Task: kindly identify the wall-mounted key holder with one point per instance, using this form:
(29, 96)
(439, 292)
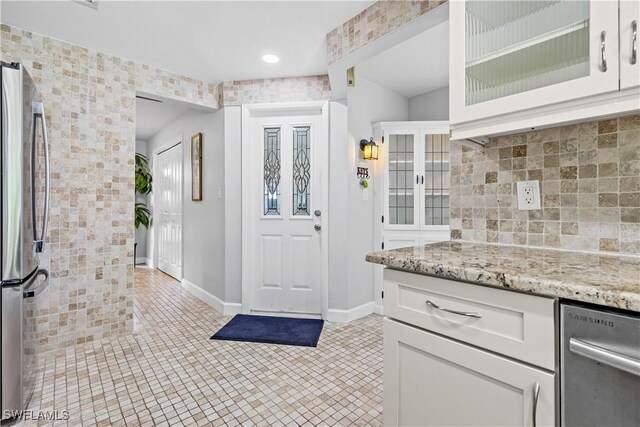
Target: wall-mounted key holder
(363, 174)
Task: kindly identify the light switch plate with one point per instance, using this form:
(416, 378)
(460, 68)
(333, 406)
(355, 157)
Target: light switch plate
(529, 195)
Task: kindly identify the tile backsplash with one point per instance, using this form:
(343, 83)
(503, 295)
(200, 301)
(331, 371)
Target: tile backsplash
(589, 177)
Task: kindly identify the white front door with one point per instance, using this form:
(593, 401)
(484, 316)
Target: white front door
(288, 158)
(168, 189)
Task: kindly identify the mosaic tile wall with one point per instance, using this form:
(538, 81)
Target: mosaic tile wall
(374, 22)
(590, 188)
(287, 89)
(90, 103)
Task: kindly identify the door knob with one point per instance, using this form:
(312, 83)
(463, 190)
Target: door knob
(317, 212)
(317, 227)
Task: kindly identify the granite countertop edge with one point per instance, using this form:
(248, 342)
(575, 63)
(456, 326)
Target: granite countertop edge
(516, 282)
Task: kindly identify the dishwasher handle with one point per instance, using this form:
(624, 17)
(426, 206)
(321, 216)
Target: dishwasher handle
(603, 355)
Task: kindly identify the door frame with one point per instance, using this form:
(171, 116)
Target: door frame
(249, 216)
(154, 247)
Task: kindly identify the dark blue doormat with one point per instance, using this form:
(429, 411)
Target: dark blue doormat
(271, 330)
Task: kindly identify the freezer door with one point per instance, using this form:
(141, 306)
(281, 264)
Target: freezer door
(30, 290)
(19, 256)
(12, 348)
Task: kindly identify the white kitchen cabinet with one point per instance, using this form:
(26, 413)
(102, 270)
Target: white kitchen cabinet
(403, 239)
(514, 324)
(430, 380)
(629, 22)
(458, 354)
(414, 201)
(518, 65)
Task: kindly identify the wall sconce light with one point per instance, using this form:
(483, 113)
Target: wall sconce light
(369, 148)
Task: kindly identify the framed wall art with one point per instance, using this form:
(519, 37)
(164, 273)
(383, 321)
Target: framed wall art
(196, 167)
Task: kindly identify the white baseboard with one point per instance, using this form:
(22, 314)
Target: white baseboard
(378, 309)
(143, 260)
(343, 316)
(226, 308)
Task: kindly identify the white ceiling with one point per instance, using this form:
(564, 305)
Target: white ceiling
(413, 67)
(208, 40)
(152, 117)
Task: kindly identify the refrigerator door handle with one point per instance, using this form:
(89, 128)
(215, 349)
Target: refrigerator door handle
(38, 113)
(30, 292)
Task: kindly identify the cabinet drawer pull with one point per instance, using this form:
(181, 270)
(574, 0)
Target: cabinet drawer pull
(634, 42)
(603, 54)
(536, 394)
(460, 313)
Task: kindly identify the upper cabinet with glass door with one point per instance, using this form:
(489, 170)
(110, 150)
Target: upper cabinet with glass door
(416, 175)
(521, 64)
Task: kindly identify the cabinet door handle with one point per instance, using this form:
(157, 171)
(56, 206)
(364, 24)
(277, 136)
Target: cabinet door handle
(536, 394)
(460, 313)
(603, 53)
(634, 42)
(423, 179)
(417, 179)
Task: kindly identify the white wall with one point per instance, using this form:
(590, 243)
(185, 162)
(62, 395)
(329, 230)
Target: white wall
(341, 162)
(141, 233)
(203, 222)
(351, 227)
(233, 203)
(430, 106)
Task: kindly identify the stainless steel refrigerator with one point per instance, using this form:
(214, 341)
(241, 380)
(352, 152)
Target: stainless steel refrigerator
(24, 212)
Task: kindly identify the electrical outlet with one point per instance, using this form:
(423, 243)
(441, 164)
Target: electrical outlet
(529, 195)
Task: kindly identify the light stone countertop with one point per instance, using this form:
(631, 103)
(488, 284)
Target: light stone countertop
(604, 279)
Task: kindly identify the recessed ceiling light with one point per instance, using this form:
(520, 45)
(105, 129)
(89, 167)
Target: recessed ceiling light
(271, 59)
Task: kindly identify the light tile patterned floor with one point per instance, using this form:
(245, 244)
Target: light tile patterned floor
(170, 373)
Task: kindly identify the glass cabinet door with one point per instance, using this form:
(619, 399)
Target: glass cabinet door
(401, 204)
(516, 55)
(436, 180)
(517, 46)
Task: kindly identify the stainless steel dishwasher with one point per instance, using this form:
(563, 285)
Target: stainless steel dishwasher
(600, 367)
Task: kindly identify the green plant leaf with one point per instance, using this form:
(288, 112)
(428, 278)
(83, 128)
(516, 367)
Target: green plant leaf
(142, 215)
(143, 178)
(144, 185)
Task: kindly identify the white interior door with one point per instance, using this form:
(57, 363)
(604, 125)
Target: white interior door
(285, 173)
(168, 188)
